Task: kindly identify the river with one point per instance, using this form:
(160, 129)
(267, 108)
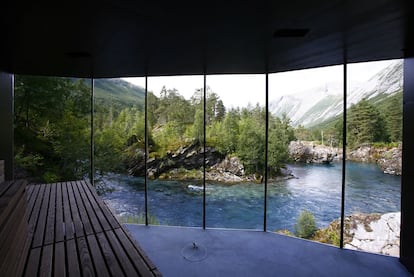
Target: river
(316, 188)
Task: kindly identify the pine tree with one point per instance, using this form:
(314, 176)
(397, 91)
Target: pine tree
(365, 124)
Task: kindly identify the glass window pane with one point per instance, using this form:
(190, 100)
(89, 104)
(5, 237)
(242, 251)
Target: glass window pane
(119, 139)
(52, 128)
(374, 145)
(176, 146)
(235, 129)
(304, 190)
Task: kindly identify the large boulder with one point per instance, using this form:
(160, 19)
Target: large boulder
(231, 165)
(375, 233)
(309, 152)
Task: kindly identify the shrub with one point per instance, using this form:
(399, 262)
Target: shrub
(305, 226)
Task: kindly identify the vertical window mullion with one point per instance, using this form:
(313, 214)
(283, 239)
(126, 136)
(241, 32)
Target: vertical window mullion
(92, 161)
(266, 153)
(204, 151)
(345, 80)
(146, 149)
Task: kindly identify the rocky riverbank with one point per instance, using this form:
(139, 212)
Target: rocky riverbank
(388, 159)
(375, 233)
(187, 162)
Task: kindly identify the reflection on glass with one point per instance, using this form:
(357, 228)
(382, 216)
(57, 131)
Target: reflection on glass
(374, 136)
(304, 189)
(235, 124)
(51, 128)
(176, 147)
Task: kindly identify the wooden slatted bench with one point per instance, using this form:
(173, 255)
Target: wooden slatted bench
(14, 243)
(73, 233)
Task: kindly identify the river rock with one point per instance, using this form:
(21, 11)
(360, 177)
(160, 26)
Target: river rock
(363, 154)
(231, 165)
(391, 161)
(309, 152)
(388, 159)
(375, 233)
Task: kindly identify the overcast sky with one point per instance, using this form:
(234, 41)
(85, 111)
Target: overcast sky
(239, 90)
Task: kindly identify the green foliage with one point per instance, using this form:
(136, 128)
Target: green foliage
(392, 111)
(305, 226)
(55, 142)
(365, 124)
(280, 135)
(52, 121)
(139, 219)
(251, 145)
(198, 127)
(374, 121)
(27, 161)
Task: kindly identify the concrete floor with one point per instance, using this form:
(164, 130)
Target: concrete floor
(253, 253)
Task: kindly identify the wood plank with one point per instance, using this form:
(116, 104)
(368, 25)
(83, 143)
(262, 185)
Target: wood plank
(75, 212)
(4, 186)
(33, 262)
(59, 260)
(50, 223)
(119, 251)
(59, 222)
(13, 248)
(98, 260)
(32, 199)
(82, 209)
(109, 255)
(29, 190)
(134, 255)
(72, 255)
(8, 228)
(36, 209)
(46, 261)
(10, 198)
(41, 222)
(24, 255)
(76, 208)
(95, 207)
(69, 231)
(85, 257)
(90, 210)
(104, 208)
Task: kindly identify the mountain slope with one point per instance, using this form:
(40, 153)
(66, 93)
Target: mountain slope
(316, 105)
(119, 93)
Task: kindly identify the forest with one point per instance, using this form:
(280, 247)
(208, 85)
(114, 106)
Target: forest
(52, 118)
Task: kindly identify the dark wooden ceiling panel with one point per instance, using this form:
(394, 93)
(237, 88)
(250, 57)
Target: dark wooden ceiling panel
(134, 38)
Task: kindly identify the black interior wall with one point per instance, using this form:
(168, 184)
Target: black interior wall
(407, 187)
(6, 123)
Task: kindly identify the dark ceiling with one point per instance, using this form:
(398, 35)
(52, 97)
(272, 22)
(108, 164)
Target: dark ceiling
(116, 38)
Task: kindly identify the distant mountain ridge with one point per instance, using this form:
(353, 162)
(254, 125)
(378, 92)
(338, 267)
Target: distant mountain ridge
(316, 105)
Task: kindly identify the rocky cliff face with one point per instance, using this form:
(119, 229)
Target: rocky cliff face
(309, 152)
(374, 233)
(188, 158)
